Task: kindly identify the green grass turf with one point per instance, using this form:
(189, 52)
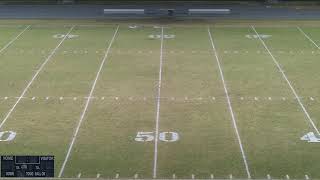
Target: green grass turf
(270, 130)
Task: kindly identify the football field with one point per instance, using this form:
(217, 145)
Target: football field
(163, 101)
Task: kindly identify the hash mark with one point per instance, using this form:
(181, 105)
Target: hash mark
(268, 176)
(307, 177)
(287, 176)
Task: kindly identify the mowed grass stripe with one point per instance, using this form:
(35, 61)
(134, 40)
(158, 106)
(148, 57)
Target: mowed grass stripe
(17, 64)
(9, 33)
(234, 121)
(12, 40)
(16, 67)
(106, 139)
(33, 78)
(302, 69)
(289, 83)
(54, 119)
(73, 69)
(312, 32)
(206, 143)
(87, 103)
(270, 130)
(308, 37)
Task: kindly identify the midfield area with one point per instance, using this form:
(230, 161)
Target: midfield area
(163, 101)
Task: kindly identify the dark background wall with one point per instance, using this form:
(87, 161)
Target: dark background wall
(3, 2)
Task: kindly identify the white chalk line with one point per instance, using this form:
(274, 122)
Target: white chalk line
(288, 82)
(87, 103)
(158, 109)
(14, 39)
(33, 78)
(308, 37)
(230, 106)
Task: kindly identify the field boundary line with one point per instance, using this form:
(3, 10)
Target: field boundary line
(288, 82)
(34, 77)
(14, 39)
(230, 106)
(308, 37)
(155, 161)
(87, 103)
(129, 178)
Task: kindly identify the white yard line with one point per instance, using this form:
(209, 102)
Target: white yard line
(14, 39)
(288, 82)
(158, 110)
(308, 37)
(87, 103)
(230, 106)
(33, 78)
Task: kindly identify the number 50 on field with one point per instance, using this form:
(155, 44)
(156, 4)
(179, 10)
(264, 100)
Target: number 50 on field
(163, 136)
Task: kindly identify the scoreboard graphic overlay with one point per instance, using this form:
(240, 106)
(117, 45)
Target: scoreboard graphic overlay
(27, 166)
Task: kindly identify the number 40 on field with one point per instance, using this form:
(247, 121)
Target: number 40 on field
(163, 136)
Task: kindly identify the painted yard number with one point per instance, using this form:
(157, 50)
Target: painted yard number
(7, 135)
(69, 36)
(163, 136)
